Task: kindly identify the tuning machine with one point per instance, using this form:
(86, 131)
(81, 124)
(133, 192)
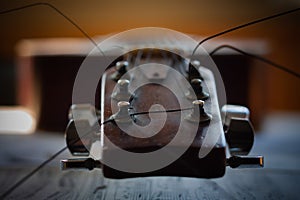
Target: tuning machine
(239, 134)
(82, 120)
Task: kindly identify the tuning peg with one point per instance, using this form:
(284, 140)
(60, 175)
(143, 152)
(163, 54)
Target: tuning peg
(80, 163)
(197, 89)
(122, 93)
(198, 113)
(245, 161)
(121, 69)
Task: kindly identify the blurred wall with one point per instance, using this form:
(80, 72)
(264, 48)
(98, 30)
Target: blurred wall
(280, 90)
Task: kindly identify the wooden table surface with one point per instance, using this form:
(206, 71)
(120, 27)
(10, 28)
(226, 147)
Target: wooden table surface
(280, 179)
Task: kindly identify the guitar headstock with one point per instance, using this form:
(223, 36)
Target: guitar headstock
(161, 81)
(159, 115)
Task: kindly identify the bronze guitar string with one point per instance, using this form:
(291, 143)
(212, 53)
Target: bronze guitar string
(25, 178)
(243, 26)
(60, 13)
(271, 63)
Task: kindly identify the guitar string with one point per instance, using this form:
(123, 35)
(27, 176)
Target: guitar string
(25, 178)
(243, 26)
(34, 171)
(161, 111)
(271, 63)
(87, 36)
(195, 49)
(60, 13)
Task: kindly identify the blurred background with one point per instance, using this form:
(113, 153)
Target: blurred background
(40, 53)
(36, 82)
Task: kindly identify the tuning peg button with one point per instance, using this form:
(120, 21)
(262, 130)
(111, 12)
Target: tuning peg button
(245, 161)
(80, 163)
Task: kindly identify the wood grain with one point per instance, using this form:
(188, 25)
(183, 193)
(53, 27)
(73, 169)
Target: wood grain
(280, 179)
(51, 183)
